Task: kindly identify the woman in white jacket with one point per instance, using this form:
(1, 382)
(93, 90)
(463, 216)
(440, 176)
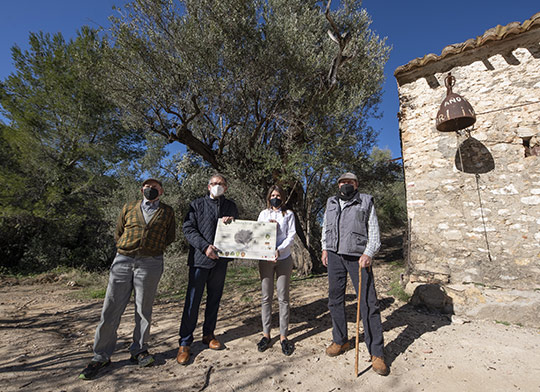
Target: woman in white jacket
(280, 266)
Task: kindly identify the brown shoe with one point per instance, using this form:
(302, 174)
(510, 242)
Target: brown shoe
(183, 355)
(378, 365)
(212, 342)
(335, 349)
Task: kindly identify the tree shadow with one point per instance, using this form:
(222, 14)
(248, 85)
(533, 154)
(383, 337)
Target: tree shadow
(312, 318)
(417, 319)
(317, 319)
(85, 314)
(306, 320)
(65, 328)
(196, 348)
(250, 325)
(391, 246)
(61, 326)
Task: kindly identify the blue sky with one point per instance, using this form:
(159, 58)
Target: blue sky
(414, 29)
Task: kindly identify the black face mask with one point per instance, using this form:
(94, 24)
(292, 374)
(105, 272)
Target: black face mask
(150, 193)
(346, 192)
(275, 202)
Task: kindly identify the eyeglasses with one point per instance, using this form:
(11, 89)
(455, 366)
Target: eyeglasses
(217, 183)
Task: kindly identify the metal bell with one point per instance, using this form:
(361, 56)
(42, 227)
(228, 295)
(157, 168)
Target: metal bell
(455, 112)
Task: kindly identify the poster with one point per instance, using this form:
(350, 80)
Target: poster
(243, 239)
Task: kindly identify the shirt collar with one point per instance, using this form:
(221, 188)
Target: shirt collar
(150, 205)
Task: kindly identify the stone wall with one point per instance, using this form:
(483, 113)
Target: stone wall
(474, 213)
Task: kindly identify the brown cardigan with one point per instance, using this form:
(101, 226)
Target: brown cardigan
(134, 237)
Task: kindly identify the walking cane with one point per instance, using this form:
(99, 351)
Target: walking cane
(357, 321)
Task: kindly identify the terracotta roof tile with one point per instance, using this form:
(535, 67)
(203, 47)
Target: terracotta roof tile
(494, 34)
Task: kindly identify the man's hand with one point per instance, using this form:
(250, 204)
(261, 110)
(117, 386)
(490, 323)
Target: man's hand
(227, 219)
(324, 258)
(211, 252)
(364, 261)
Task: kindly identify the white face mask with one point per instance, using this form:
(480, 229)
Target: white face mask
(217, 190)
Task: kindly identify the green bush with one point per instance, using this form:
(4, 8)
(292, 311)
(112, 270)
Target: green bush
(175, 275)
(31, 244)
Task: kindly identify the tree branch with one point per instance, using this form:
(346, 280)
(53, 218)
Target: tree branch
(183, 135)
(342, 41)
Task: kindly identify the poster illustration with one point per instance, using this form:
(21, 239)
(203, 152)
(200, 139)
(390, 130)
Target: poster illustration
(243, 239)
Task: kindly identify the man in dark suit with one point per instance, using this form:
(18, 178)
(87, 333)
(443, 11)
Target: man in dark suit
(206, 268)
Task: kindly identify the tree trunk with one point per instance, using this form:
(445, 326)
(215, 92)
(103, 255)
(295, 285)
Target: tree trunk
(301, 258)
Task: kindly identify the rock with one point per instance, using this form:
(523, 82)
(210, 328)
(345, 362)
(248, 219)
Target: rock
(433, 297)
(458, 320)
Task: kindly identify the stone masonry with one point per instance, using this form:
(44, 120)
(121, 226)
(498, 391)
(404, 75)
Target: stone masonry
(474, 212)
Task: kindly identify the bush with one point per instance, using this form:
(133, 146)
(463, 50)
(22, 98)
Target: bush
(175, 275)
(30, 244)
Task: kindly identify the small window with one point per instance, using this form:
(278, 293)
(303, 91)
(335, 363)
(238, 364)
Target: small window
(531, 145)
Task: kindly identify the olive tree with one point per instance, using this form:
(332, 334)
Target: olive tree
(267, 91)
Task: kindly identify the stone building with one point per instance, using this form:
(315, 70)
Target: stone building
(473, 196)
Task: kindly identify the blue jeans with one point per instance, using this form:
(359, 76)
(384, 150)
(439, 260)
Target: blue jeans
(141, 275)
(338, 267)
(214, 280)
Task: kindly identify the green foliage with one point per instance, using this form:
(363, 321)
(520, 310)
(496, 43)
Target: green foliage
(98, 293)
(34, 244)
(397, 291)
(396, 288)
(244, 85)
(174, 280)
(383, 178)
(247, 86)
(243, 274)
(191, 182)
(60, 147)
(243, 278)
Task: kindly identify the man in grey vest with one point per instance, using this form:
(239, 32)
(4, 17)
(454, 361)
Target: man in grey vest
(350, 239)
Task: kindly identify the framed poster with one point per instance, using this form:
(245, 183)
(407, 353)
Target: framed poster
(243, 239)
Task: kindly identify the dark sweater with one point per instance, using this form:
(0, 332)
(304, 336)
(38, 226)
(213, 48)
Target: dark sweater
(200, 227)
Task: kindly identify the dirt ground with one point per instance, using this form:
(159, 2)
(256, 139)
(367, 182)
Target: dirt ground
(46, 338)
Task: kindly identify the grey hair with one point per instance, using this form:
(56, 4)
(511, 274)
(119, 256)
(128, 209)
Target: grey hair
(218, 175)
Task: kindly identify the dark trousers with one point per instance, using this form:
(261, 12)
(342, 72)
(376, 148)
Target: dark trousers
(338, 267)
(214, 280)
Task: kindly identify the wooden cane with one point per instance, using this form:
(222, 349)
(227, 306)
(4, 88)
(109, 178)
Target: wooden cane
(357, 321)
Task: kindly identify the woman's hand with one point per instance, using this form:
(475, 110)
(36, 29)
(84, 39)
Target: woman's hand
(276, 255)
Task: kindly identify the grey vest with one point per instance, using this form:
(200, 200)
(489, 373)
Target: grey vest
(347, 230)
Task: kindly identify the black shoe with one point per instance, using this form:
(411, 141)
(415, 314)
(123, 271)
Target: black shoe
(263, 344)
(287, 347)
(92, 369)
(143, 359)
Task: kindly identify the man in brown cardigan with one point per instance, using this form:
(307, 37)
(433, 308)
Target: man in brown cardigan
(143, 230)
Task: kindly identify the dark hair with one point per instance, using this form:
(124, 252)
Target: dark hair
(282, 194)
